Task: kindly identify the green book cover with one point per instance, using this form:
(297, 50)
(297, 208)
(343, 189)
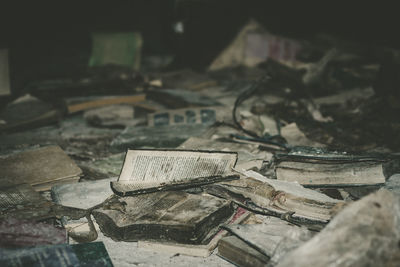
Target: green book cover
(122, 48)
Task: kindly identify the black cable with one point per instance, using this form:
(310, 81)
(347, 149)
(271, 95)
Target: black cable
(241, 98)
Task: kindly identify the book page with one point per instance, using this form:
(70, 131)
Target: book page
(163, 166)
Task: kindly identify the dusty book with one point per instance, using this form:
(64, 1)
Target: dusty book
(88, 254)
(147, 171)
(317, 167)
(278, 198)
(202, 250)
(173, 216)
(23, 202)
(42, 168)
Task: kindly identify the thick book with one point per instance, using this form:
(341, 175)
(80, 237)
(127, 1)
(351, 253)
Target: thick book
(88, 254)
(146, 171)
(321, 168)
(274, 197)
(42, 168)
(173, 216)
(202, 250)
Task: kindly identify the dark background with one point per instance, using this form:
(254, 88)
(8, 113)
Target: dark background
(51, 39)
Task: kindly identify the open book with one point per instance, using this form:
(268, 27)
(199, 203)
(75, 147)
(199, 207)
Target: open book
(146, 171)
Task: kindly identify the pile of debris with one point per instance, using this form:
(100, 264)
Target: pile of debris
(283, 153)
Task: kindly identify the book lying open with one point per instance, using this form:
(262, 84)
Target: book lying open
(318, 167)
(146, 171)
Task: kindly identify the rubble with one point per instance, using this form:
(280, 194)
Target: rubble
(369, 238)
(284, 152)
